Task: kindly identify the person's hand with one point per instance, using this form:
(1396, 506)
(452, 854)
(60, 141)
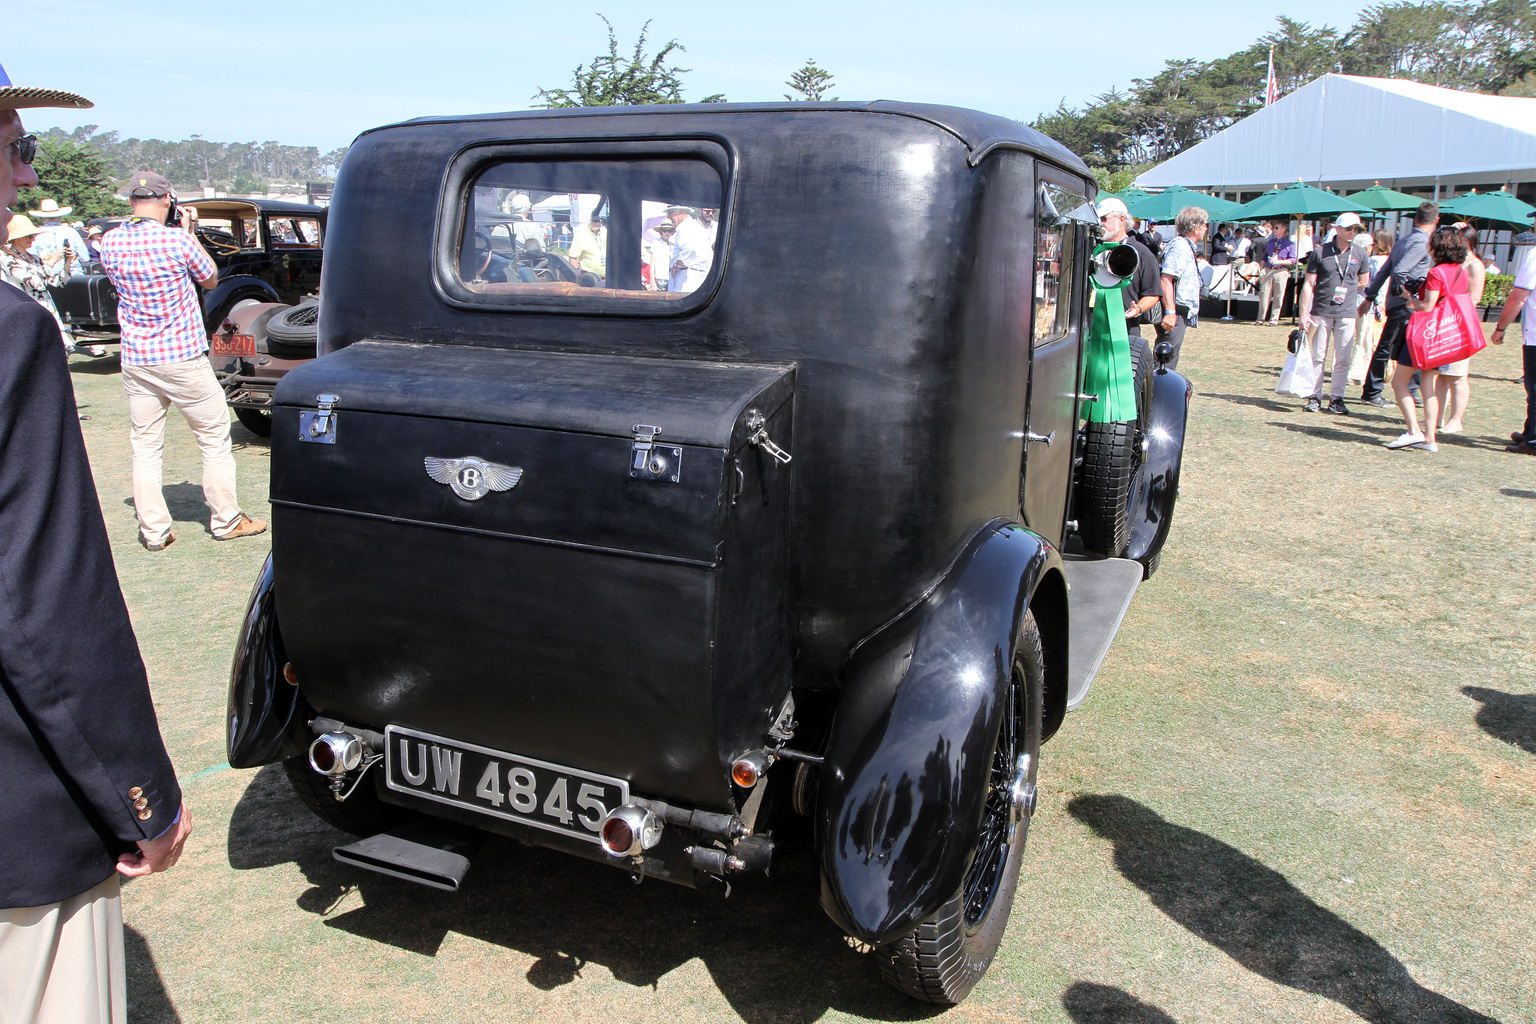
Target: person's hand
(1306, 322)
(159, 853)
(1133, 312)
(1169, 320)
(1365, 304)
(1497, 337)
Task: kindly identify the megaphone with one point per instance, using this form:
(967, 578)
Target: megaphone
(1115, 264)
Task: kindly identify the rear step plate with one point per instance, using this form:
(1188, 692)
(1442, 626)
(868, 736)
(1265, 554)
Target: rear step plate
(431, 853)
(552, 797)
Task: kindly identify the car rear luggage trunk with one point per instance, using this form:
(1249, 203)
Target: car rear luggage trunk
(628, 625)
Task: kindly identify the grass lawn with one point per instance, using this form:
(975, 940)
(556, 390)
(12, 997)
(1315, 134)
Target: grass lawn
(1304, 787)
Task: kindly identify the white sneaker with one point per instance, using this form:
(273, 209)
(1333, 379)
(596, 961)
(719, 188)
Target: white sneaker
(1427, 446)
(1406, 441)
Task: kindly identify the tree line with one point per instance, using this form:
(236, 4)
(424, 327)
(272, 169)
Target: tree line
(1487, 46)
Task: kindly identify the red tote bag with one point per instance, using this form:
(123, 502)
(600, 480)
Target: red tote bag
(1448, 333)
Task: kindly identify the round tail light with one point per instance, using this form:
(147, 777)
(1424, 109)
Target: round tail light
(628, 830)
(749, 768)
(336, 753)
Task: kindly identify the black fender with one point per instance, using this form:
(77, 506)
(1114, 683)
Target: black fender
(231, 290)
(268, 717)
(1157, 485)
(904, 777)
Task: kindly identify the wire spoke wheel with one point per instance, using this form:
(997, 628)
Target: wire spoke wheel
(949, 952)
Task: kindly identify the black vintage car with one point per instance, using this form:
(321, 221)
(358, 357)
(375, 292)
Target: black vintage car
(650, 574)
(266, 251)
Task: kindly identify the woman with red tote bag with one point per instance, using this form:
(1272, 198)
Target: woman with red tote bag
(1446, 278)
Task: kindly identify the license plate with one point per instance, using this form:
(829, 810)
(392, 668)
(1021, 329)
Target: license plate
(536, 793)
(233, 345)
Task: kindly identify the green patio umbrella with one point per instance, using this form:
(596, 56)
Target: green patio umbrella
(1499, 206)
(1126, 195)
(1385, 200)
(1298, 200)
(1165, 205)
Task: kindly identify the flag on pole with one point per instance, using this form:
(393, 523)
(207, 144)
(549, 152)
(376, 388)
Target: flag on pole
(1271, 87)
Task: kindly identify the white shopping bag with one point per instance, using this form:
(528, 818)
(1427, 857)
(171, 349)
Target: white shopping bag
(1299, 377)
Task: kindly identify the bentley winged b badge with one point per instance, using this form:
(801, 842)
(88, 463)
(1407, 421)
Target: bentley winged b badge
(472, 478)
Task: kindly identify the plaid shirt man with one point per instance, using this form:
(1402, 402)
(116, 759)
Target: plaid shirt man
(158, 312)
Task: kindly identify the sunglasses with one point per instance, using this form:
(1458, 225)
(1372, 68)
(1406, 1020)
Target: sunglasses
(26, 148)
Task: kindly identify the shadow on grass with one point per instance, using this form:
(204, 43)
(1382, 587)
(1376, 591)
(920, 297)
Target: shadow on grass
(1327, 433)
(1088, 1003)
(97, 366)
(773, 954)
(1516, 493)
(1251, 913)
(1510, 717)
(185, 500)
(148, 1002)
(1262, 401)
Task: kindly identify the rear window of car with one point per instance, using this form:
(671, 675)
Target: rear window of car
(588, 231)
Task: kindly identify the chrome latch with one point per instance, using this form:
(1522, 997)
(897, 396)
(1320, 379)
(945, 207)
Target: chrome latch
(1048, 439)
(318, 426)
(651, 461)
(759, 436)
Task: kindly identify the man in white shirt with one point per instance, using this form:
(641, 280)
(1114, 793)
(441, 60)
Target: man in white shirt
(1523, 294)
(692, 253)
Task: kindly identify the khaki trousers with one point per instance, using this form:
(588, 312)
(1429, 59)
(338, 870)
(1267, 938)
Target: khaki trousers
(1272, 286)
(193, 389)
(63, 963)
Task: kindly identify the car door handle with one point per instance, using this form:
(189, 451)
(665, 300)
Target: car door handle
(1047, 438)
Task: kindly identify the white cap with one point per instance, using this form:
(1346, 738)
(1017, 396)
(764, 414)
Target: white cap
(1348, 220)
(1109, 206)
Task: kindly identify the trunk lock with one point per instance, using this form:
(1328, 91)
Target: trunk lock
(759, 436)
(318, 426)
(651, 461)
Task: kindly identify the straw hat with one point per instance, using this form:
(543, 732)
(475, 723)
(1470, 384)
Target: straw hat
(15, 97)
(51, 208)
(21, 226)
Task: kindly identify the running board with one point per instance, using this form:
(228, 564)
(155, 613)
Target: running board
(427, 852)
(1099, 595)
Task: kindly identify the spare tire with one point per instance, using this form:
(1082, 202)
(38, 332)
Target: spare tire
(1111, 456)
(292, 333)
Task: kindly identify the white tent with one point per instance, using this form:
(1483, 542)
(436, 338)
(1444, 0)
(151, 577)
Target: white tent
(1347, 132)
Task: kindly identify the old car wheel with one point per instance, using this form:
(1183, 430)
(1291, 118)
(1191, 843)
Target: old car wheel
(1111, 459)
(292, 333)
(949, 952)
(362, 813)
(257, 421)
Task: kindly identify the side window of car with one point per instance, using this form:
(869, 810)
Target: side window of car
(1056, 255)
(307, 230)
(582, 230)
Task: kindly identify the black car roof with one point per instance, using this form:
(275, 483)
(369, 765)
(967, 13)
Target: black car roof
(264, 205)
(980, 132)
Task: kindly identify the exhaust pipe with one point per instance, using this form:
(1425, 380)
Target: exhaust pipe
(430, 853)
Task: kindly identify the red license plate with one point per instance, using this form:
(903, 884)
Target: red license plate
(233, 345)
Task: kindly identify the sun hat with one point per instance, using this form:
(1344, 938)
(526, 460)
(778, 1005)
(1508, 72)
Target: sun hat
(51, 208)
(21, 226)
(679, 209)
(15, 97)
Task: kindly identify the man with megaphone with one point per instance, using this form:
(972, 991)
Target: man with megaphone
(1144, 292)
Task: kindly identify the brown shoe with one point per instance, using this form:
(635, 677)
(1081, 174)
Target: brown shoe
(244, 527)
(1517, 438)
(170, 538)
(1521, 449)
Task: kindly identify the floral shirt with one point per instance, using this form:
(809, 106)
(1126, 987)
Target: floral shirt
(29, 274)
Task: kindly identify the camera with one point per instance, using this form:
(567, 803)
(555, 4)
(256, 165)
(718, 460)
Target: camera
(1413, 285)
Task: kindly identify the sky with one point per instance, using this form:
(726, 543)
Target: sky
(317, 73)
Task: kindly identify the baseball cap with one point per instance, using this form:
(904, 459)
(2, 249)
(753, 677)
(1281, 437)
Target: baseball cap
(1348, 220)
(147, 185)
(1111, 206)
(16, 97)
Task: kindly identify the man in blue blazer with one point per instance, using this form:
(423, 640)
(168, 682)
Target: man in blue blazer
(90, 792)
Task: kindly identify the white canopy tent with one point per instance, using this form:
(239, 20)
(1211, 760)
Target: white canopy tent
(1347, 132)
